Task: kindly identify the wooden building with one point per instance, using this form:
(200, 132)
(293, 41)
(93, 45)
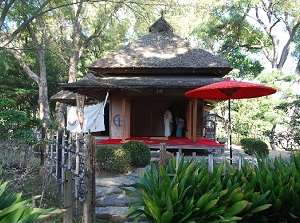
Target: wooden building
(146, 77)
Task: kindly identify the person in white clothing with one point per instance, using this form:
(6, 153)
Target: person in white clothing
(168, 119)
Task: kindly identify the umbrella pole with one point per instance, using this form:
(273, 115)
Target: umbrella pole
(229, 128)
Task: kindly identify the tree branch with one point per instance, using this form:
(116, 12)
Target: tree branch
(4, 12)
(23, 64)
(97, 32)
(286, 48)
(24, 24)
(297, 70)
(39, 11)
(239, 25)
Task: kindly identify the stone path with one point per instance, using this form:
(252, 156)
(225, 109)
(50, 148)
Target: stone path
(111, 200)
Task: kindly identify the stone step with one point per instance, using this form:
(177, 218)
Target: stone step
(117, 200)
(111, 200)
(111, 213)
(103, 191)
(115, 181)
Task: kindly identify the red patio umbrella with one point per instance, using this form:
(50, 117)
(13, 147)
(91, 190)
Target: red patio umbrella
(227, 90)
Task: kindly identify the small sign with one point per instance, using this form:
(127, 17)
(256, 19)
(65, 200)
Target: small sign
(210, 130)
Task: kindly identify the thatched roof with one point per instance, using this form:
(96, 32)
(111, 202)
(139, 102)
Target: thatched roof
(64, 96)
(159, 52)
(138, 82)
(69, 98)
(157, 60)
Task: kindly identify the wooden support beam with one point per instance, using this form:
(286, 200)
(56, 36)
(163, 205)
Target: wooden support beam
(93, 179)
(87, 207)
(200, 115)
(194, 134)
(123, 119)
(188, 112)
(128, 130)
(68, 199)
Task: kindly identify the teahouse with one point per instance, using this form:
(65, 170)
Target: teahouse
(148, 76)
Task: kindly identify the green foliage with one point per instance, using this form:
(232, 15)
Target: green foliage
(281, 178)
(17, 154)
(14, 209)
(251, 118)
(16, 124)
(268, 192)
(139, 152)
(189, 193)
(288, 137)
(114, 159)
(15, 84)
(21, 168)
(244, 67)
(254, 146)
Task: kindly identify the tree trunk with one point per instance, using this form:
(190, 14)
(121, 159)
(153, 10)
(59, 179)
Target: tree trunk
(44, 112)
(297, 70)
(271, 137)
(59, 115)
(74, 60)
(43, 97)
(284, 54)
(41, 79)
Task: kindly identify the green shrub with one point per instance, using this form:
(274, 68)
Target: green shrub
(114, 159)
(254, 146)
(15, 124)
(189, 193)
(140, 153)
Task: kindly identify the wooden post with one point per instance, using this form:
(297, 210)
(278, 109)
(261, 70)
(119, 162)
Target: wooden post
(86, 216)
(210, 163)
(163, 154)
(56, 158)
(194, 120)
(189, 120)
(267, 161)
(252, 161)
(240, 162)
(69, 152)
(128, 118)
(93, 179)
(63, 162)
(68, 201)
(77, 167)
(194, 156)
(178, 157)
(60, 135)
(200, 117)
(51, 155)
(123, 119)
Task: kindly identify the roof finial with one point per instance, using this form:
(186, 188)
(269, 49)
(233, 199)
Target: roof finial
(162, 13)
(161, 25)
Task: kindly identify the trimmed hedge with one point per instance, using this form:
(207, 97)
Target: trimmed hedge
(254, 146)
(139, 152)
(114, 159)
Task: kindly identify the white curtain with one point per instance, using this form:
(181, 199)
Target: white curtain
(93, 118)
